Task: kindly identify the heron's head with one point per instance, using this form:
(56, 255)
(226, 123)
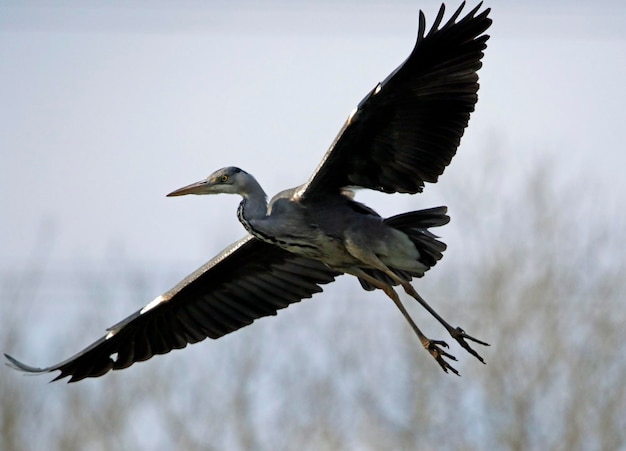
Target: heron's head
(230, 180)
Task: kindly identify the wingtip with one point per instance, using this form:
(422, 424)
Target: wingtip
(12, 362)
(15, 364)
(421, 29)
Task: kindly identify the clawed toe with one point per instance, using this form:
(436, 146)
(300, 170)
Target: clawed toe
(434, 347)
(460, 336)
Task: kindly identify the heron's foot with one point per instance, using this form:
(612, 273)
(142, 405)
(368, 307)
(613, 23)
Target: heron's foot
(435, 349)
(460, 336)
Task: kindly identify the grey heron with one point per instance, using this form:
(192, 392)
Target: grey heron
(402, 134)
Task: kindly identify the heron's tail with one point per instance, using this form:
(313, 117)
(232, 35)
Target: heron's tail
(415, 225)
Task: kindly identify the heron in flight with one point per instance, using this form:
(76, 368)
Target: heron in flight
(402, 134)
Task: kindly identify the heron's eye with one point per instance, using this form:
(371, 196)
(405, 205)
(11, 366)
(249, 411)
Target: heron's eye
(224, 178)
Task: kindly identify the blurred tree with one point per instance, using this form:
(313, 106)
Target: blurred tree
(541, 279)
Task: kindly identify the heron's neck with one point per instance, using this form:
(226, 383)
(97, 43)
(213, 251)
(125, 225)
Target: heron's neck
(254, 203)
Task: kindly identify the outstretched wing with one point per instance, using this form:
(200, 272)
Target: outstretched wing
(248, 280)
(407, 129)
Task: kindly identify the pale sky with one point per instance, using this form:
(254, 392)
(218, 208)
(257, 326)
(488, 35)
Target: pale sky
(105, 109)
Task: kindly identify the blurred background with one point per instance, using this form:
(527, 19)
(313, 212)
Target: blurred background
(107, 107)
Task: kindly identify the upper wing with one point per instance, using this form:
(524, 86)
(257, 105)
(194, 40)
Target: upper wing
(248, 280)
(407, 129)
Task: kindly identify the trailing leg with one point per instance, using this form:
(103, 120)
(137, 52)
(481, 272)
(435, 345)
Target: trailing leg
(456, 332)
(434, 347)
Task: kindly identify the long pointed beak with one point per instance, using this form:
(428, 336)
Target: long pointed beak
(194, 188)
